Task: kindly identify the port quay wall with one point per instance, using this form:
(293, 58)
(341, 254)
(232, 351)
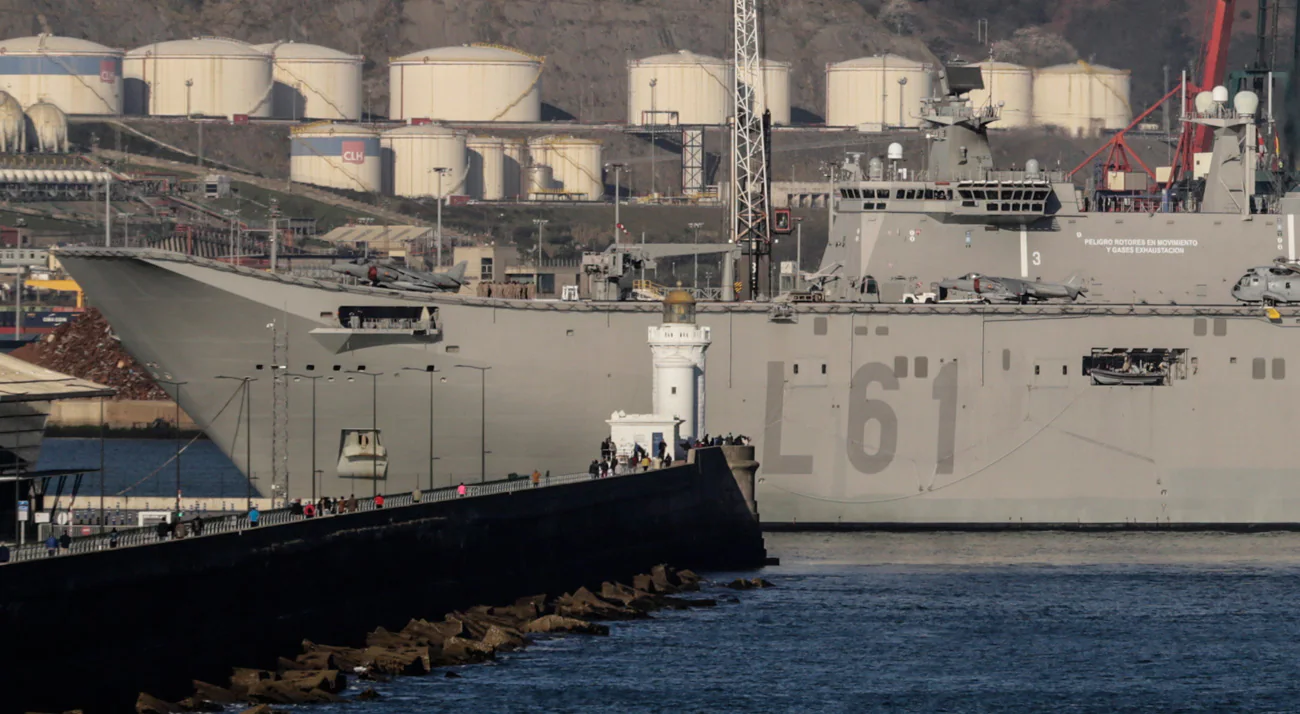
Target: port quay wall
(91, 631)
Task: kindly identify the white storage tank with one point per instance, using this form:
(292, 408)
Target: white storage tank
(575, 164)
(776, 90)
(466, 83)
(412, 152)
(696, 87)
(47, 128)
(1081, 98)
(514, 164)
(868, 90)
(314, 82)
(343, 156)
(77, 76)
(205, 76)
(1010, 84)
(487, 163)
(540, 183)
(13, 125)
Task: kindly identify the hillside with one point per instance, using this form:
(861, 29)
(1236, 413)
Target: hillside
(587, 42)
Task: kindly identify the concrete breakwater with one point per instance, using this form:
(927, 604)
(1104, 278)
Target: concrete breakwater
(156, 617)
(320, 673)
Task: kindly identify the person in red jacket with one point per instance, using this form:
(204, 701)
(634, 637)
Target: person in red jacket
(379, 501)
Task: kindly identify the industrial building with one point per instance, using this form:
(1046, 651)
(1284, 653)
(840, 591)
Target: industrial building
(877, 92)
(1010, 87)
(565, 168)
(204, 76)
(314, 82)
(467, 83)
(1083, 99)
(344, 156)
(413, 155)
(77, 76)
(679, 88)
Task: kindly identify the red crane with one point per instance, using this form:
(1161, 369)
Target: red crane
(1194, 138)
(1216, 61)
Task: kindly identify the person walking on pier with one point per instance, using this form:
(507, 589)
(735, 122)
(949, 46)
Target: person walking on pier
(460, 490)
(65, 542)
(4, 554)
(163, 530)
(253, 515)
(594, 469)
(197, 525)
(352, 503)
(112, 538)
(537, 478)
(52, 545)
(379, 500)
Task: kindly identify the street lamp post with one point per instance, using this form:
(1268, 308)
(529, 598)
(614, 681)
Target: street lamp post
(313, 379)
(374, 428)
(482, 371)
(248, 434)
(695, 281)
(798, 253)
(654, 135)
(902, 82)
(441, 171)
(431, 369)
(108, 205)
(537, 267)
(177, 398)
(618, 175)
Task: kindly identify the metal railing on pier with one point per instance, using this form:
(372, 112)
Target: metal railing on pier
(217, 525)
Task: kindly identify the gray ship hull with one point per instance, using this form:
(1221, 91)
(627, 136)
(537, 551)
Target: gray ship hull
(863, 414)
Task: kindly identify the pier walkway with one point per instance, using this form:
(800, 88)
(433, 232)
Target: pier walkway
(217, 525)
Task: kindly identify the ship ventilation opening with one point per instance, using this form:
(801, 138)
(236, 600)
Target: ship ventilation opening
(1136, 366)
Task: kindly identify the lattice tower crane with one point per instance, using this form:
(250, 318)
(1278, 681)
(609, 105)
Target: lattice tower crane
(750, 187)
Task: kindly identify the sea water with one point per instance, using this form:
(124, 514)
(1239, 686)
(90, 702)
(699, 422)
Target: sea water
(946, 622)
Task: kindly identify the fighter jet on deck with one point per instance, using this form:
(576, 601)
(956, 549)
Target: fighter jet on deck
(1013, 289)
(384, 275)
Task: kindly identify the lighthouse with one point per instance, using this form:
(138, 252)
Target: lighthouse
(677, 348)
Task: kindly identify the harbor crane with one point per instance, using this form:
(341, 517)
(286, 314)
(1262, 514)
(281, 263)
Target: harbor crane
(750, 154)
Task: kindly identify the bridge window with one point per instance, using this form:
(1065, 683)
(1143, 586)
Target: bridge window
(1257, 368)
(900, 367)
(898, 194)
(1006, 360)
(922, 367)
(1279, 368)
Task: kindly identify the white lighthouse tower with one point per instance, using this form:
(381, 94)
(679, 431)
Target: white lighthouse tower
(677, 349)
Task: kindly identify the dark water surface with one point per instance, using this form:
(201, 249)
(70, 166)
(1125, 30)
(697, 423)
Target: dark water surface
(935, 623)
(140, 466)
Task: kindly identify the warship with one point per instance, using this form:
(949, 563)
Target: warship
(1155, 399)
